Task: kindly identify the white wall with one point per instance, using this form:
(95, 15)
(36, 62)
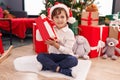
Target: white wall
(33, 7)
(103, 7)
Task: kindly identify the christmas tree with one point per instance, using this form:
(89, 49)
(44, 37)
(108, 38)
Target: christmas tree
(77, 6)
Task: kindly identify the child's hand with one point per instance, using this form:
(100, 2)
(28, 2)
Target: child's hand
(52, 42)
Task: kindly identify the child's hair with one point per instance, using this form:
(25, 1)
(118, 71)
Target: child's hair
(58, 11)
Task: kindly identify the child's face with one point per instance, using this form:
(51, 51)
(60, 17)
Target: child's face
(60, 20)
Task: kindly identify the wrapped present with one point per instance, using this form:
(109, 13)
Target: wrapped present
(74, 27)
(1, 12)
(113, 32)
(1, 45)
(38, 43)
(45, 28)
(90, 18)
(96, 37)
(114, 29)
(118, 43)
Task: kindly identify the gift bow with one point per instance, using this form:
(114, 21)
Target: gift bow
(100, 44)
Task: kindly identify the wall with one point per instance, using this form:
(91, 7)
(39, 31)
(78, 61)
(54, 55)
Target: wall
(16, 5)
(117, 6)
(4, 2)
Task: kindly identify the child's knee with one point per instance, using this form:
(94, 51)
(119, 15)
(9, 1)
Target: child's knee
(73, 60)
(40, 57)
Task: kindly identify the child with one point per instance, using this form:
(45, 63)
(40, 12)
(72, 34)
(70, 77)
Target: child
(60, 57)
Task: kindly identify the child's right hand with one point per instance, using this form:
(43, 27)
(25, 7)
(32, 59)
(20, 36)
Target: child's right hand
(52, 42)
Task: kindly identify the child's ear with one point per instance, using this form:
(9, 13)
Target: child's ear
(67, 18)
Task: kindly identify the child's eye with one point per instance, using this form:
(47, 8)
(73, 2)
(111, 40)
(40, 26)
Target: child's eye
(62, 17)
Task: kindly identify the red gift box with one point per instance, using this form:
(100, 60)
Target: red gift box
(1, 12)
(45, 27)
(1, 45)
(38, 43)
(118, 44)
(114, 32)
(96, 37)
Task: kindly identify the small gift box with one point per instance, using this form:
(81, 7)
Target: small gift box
(114, 29)
(90, 18)
(113, 32)
(96, 36)
(45, 28)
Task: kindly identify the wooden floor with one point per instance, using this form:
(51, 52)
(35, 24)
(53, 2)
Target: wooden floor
(100, 70)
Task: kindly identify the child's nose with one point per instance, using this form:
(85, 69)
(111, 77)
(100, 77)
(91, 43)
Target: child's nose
(60, 19)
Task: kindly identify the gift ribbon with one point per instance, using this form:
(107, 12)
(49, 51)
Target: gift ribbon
(38, 35)
(89, 19)
(101, 44)
(48, 27)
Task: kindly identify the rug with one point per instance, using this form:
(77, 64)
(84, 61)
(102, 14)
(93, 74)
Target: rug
(30, 64)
